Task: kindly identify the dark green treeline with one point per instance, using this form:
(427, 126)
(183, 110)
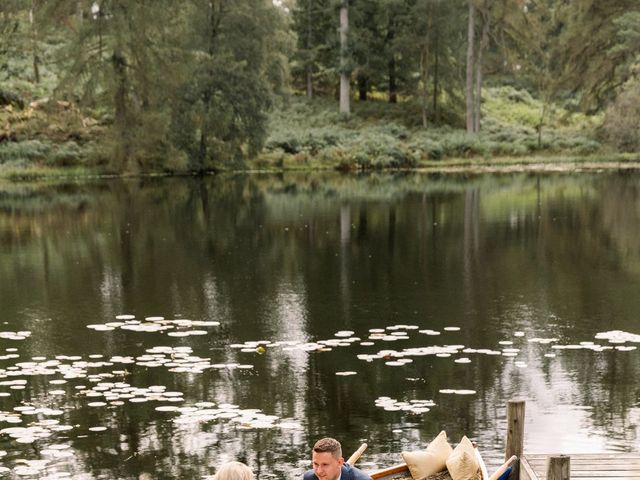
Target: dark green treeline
(187, 85)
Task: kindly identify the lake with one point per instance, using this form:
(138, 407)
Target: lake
(156, 327)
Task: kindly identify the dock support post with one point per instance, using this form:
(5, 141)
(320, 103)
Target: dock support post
(515, 428)
(515, 434)
(559, 467)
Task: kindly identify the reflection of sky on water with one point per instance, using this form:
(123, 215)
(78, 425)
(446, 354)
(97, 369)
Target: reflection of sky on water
(291, 325)
(563, 429)
(556, 419)
(554, 423)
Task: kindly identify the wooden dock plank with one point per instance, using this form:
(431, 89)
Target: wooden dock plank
(600, 466)
(596, 463)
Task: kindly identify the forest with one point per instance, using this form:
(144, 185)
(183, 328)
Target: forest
(143, 86)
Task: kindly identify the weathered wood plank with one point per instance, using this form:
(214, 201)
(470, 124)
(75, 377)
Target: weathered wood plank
(592, 461)
(558, 468)
(617, 456)
(515, 428)
(604, 462)
(598, 477)
(604, 466)
(590, 473)
(526, 472)
(600, 466)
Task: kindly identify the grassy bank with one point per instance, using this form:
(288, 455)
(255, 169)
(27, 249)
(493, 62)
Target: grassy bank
(53, 139)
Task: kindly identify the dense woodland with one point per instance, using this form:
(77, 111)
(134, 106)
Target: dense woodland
(201, 84)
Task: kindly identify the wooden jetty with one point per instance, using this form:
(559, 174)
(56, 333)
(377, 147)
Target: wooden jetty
(596, 466)
(553, 466)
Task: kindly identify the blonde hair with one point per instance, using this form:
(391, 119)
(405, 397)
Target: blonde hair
(234, 471)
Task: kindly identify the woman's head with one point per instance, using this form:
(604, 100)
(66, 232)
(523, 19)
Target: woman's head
(234, 471)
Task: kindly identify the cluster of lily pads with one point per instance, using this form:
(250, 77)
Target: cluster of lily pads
(180, 327)
(242, 419)
(618, 336)
(22, 335)
(181, 360)
(30, 422)
(412, 406)
(399, 358)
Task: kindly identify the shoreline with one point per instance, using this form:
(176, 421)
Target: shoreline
(555, 164)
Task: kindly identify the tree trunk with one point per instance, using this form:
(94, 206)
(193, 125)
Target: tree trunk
(100, 43)
(362, 86)
(424, 76)
(391, 64)
(309, 82)
(469, 97)
(120, 99)
(34, 42)
(345, 73)
(121, 123)
(393, 88)
(436, 75)
(540, 125)
(216, 11)
(309, 68)
(484, 40)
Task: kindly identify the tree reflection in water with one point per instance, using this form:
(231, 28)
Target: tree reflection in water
(299, 258)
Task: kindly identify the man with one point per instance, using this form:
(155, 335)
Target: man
(328, 463)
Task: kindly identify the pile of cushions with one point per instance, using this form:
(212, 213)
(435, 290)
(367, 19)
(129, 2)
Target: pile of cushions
(461, 462)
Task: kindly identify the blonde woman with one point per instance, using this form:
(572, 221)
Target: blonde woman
(234, 471)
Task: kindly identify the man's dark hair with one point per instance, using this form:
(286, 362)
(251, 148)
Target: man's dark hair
(330, 445)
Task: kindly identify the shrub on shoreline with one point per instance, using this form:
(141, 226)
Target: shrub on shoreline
(307, 133)
(31, 152)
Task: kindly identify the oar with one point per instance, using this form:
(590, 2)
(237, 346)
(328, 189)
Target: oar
(503, 467)
(356, 455)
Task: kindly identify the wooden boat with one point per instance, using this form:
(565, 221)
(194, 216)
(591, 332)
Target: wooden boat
(401, 470)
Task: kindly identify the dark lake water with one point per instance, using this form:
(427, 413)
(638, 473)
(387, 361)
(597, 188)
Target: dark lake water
(155, 328)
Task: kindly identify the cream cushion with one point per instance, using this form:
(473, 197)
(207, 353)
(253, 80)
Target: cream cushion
(463, 463)
(423, 463)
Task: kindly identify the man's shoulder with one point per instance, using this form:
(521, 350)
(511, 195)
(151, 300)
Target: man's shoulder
(353, 473)
(309, 475)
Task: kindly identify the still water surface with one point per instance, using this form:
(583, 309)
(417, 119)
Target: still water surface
(494, 287)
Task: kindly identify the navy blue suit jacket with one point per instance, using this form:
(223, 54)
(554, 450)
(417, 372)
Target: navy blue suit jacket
(348, 473)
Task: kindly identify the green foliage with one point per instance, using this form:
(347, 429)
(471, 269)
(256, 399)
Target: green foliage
(173, 82)
(314, 23)
(218, 114)
(25, 50)
(622, 119)
(377, 150)
(35, 151)
(509, 105)
(597, 47)
(174, 87)
(426, 148)
(310, 133)
(628, 34)
(311, 142)
(28, 150)
(65, 155)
